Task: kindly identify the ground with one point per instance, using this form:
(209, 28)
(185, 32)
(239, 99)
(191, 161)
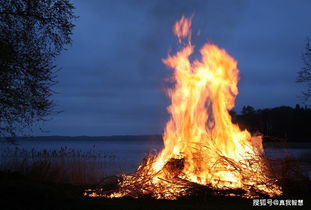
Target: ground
(21, 192)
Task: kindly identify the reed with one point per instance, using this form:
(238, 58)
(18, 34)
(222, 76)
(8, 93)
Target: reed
(65, 165)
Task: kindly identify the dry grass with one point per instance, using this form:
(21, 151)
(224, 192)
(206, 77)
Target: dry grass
(60, 166)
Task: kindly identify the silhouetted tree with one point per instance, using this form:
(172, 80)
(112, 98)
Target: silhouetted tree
(304, 75)
(32, 34)
(248, 110)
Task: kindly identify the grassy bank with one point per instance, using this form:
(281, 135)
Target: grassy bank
(65, 165)
(21, 192)
(56, 179)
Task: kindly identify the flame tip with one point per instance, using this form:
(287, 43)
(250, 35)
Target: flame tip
(201, 144)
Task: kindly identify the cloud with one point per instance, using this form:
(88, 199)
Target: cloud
(112, 77)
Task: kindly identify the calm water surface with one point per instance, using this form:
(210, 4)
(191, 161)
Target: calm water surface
(126, 155)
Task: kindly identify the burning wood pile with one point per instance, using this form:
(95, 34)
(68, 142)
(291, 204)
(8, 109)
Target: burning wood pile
(203, 150)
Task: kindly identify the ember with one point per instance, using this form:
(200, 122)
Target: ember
(203, 149)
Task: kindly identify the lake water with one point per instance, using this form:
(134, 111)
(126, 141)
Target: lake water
(121, 156)
(125, 156)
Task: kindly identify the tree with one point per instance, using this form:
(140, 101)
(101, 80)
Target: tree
(304, 75)
(32, 34)
(248, 110)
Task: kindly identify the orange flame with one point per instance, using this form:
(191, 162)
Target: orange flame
(182, 29)
(201, 144)
(200, 129)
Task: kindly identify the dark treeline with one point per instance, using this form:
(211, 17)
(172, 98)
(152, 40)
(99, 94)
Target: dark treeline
(284, 122)
(292, 124)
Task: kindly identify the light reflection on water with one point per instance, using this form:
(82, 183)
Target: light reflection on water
(125, 156)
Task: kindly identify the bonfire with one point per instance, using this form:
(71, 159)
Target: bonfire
(204, 151)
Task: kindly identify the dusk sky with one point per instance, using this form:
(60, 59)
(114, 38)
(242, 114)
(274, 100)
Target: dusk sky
(112, 77)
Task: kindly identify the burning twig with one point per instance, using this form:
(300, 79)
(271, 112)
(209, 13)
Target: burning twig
(204, 151)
